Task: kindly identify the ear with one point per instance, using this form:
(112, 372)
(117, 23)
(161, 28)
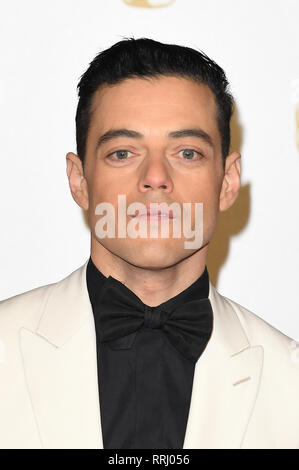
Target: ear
(231, 181)
(77, 180)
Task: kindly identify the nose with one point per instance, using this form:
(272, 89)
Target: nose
(155, 176)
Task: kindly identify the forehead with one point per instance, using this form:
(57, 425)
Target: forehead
(155, 104)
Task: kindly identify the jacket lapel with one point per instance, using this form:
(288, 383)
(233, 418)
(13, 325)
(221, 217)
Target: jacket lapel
(226, 382)
(60, 364)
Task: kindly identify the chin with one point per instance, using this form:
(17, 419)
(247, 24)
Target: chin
(154, 254)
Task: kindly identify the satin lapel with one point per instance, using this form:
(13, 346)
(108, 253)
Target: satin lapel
(226, 383)
(61, 368)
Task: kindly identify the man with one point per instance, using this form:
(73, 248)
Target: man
(136, 348)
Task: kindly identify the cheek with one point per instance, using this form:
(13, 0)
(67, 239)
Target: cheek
(101, 188)
(208, 195)
(211, 205)
(107, 183)
(206, 190)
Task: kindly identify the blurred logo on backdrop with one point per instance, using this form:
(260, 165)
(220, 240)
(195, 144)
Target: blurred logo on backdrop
(149, 3)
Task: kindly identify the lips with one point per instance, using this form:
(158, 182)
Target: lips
(155, 213)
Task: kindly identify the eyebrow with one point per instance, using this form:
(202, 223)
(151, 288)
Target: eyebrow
(115, 133)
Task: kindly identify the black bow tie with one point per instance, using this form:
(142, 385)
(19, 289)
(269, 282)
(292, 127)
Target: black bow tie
(188, 325)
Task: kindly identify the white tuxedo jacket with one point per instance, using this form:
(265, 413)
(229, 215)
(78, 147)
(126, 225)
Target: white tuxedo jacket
(245, 391)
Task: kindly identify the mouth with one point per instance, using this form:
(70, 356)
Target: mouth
(151, 214)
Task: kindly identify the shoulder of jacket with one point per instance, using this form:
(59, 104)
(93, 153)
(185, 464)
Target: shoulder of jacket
(22, 309)
(283, 350)
(26, 308)
(254, 325)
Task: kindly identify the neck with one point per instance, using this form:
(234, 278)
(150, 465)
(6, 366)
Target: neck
(152, 286)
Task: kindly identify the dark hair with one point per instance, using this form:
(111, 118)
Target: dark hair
(137, 58)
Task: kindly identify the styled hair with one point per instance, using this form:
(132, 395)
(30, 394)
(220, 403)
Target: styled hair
(137, 58)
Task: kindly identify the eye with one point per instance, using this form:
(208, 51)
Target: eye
(189, 154)
(120, 154)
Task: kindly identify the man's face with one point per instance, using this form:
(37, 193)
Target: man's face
(158, 164)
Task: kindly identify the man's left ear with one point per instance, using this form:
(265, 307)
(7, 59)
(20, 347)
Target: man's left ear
(231, 181)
